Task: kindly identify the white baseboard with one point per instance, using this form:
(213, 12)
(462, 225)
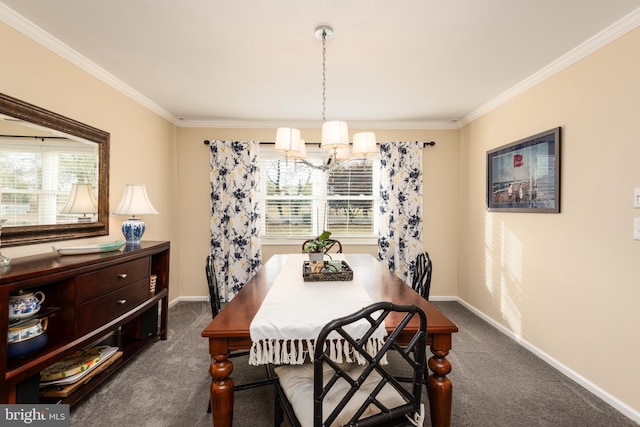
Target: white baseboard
(443, 298)
(188, 299)
(605, 396)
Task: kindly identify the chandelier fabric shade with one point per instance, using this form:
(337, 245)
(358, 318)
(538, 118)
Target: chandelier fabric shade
(335, 133)
(288, 140)
(364, 144)
(341, 153)
(301, 154)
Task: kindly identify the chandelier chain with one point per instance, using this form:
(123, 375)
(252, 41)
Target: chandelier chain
(324, 73)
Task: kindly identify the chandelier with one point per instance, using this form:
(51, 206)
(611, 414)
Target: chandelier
(335, 133)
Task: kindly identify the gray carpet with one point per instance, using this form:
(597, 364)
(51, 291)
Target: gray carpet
(496, 384)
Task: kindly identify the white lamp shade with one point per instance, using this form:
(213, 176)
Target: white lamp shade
(334, 134)
(135, 201)
(81, 200)
(364, 144)
(301, 153)
(288, 139)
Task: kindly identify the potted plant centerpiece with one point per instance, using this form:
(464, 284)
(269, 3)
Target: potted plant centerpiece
(315, 248)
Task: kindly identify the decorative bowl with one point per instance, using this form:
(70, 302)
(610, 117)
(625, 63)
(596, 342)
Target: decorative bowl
(31, 345)
(27, 330)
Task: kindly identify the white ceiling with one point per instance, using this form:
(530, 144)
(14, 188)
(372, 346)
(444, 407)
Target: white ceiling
(408, 63)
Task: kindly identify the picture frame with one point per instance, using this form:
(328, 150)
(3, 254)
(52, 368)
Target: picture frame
(524, 176)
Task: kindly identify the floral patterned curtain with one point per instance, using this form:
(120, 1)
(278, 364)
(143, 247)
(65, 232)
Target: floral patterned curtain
(235, 219)
(400, 234)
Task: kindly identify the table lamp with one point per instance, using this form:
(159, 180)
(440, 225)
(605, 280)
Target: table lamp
(81, 201)
(134, 202)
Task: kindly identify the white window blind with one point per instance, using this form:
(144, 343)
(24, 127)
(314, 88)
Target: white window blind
(299, 201)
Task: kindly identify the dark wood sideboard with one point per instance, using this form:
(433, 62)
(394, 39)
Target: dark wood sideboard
(91, 299)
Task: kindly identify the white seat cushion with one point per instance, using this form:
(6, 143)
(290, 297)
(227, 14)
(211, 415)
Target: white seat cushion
(297, 383)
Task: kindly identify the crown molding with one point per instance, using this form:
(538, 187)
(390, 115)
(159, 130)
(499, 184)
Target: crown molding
(627, 23)
(240, 124)
(28, 28)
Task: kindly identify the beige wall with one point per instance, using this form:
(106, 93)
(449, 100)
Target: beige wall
(440, 198)
(566, 283)
(142, 143)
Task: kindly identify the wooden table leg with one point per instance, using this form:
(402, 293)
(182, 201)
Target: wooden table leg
(221, 391)
(439, 387)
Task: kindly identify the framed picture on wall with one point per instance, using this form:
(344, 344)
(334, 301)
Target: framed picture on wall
(524, 176)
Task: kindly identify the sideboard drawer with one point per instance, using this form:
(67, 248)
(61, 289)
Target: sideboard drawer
(93, 285)
(99, 311)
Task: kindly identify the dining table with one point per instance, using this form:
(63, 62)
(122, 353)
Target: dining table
(231, 329)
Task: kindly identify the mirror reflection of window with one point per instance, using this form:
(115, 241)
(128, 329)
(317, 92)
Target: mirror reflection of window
(37, 174)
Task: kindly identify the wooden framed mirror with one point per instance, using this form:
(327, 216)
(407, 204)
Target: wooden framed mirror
(32, 198)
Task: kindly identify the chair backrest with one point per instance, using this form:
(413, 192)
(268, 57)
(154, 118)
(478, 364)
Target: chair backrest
(413, 356)
(335, 247)
(214, 294)
(421, 282)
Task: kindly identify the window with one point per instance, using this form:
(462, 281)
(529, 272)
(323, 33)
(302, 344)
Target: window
(300, 201)
(36, 178)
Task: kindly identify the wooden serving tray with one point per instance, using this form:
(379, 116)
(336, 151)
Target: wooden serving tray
(327, 274)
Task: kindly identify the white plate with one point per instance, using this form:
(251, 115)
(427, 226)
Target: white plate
(90, 249)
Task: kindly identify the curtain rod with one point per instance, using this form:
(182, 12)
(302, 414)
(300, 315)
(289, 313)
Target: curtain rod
(424, 144)
(33, 137)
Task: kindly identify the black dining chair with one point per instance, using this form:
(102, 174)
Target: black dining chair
(335, 247)
(421, 282)
(326, 393)
(216, 306)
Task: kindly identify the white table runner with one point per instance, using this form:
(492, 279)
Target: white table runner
(294, 311)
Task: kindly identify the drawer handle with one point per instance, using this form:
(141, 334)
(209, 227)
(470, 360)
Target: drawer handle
(122, 276)
(121, 301)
